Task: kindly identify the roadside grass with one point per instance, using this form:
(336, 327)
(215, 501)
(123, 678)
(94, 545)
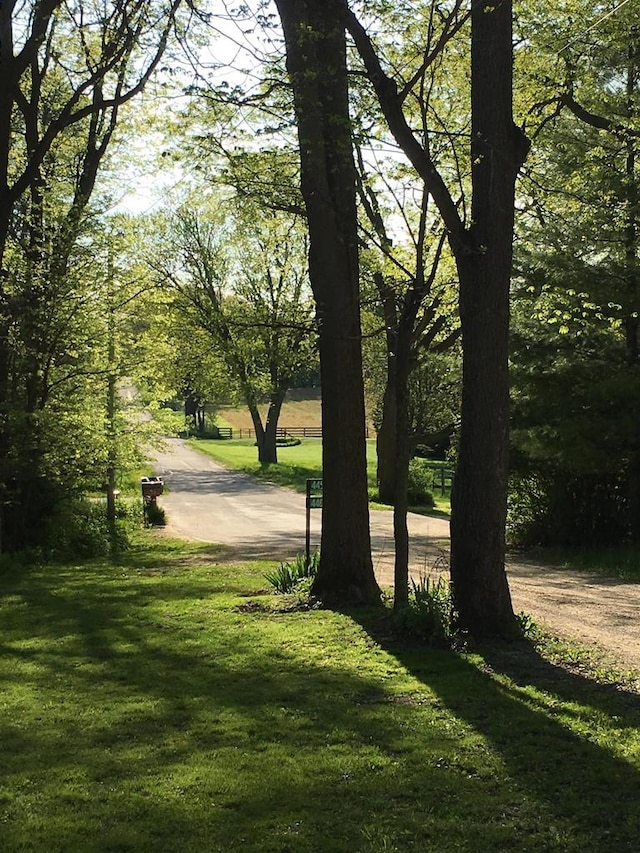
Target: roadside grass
(295, 465)
(622, 562)
(170, 703)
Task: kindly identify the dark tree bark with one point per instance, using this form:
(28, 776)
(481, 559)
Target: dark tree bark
(386, 438)
(402, 369)
(479, 499)
(316, 61)
(267, 433)
(483, 257)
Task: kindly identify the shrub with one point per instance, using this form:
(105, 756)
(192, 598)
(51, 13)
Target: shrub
(292, 574)
(155, 515)
(526, 625)
(80, 529)
(420, 481)
(430, 614)
(288, 441)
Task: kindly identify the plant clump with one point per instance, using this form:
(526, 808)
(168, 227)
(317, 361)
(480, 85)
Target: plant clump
(292, 576)
(430, 614)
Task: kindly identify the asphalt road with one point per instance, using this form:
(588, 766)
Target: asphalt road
(209, 503)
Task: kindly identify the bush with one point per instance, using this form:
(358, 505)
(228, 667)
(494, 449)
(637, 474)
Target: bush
(154, 515)
(288, 441)
(289, 576)
(550, 507)
(430, 614)
(80, 529)
(420, 481)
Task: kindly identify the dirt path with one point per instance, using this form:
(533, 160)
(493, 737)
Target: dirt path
(209, 503)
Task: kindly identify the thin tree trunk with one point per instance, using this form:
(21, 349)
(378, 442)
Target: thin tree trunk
(401, 479)
(386, 440)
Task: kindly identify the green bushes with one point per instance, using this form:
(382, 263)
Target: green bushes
(430, 615)
(420, 484)
(289, 576)
(81, 530)
(154, 515)
(551, 507)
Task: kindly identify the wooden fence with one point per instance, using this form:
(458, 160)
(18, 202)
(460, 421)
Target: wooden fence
(282, 432)
(441, 477)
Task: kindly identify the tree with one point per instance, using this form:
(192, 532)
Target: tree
(411, 293)
(245, 285)
(483, 251)
(575, 351)
(66, 71)
(316, 62)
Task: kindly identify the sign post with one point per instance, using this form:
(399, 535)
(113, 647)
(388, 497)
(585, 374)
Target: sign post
(314, 501)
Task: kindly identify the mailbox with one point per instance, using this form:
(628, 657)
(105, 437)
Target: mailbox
(151, 487)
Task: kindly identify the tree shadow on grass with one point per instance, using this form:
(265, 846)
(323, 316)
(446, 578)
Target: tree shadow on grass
(557, 741)
(157, 716)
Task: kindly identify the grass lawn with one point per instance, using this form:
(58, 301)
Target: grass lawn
(169, 703)
(622, 561)
(295, 464)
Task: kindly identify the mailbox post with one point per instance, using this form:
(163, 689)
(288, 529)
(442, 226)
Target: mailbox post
(152, 488)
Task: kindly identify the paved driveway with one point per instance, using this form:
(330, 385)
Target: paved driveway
(208, 503)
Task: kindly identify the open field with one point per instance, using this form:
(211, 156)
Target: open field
(301, 408)
(170, 703)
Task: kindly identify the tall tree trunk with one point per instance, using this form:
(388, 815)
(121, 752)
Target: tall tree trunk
(316, 62)
(402, 363)
(266, 456)
(271, 424)
(483, 258)
(386, 439)
(479, 495)
(632, 323)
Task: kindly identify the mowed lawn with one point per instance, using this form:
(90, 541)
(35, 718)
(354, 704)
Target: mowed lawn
(170, 703)
(295, 464)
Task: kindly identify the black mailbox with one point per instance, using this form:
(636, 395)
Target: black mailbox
(151, 487)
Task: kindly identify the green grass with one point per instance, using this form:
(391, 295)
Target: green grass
(622, 561)
(169, 703)
(295, 464)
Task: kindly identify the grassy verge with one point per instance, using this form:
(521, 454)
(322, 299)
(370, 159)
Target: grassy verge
(295, 464)
(622, 562)
(169, 703)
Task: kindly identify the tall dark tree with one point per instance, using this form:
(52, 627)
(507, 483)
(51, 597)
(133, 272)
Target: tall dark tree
(316, 61)
(483, 252)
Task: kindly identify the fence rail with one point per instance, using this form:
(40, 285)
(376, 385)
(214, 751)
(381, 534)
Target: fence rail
(441, 477)
(281, 432)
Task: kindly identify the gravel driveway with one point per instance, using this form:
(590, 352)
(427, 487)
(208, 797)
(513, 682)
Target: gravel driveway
(209, 503)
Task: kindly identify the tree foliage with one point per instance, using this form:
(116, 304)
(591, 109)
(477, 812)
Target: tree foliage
(67, 68)
(242, 279)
